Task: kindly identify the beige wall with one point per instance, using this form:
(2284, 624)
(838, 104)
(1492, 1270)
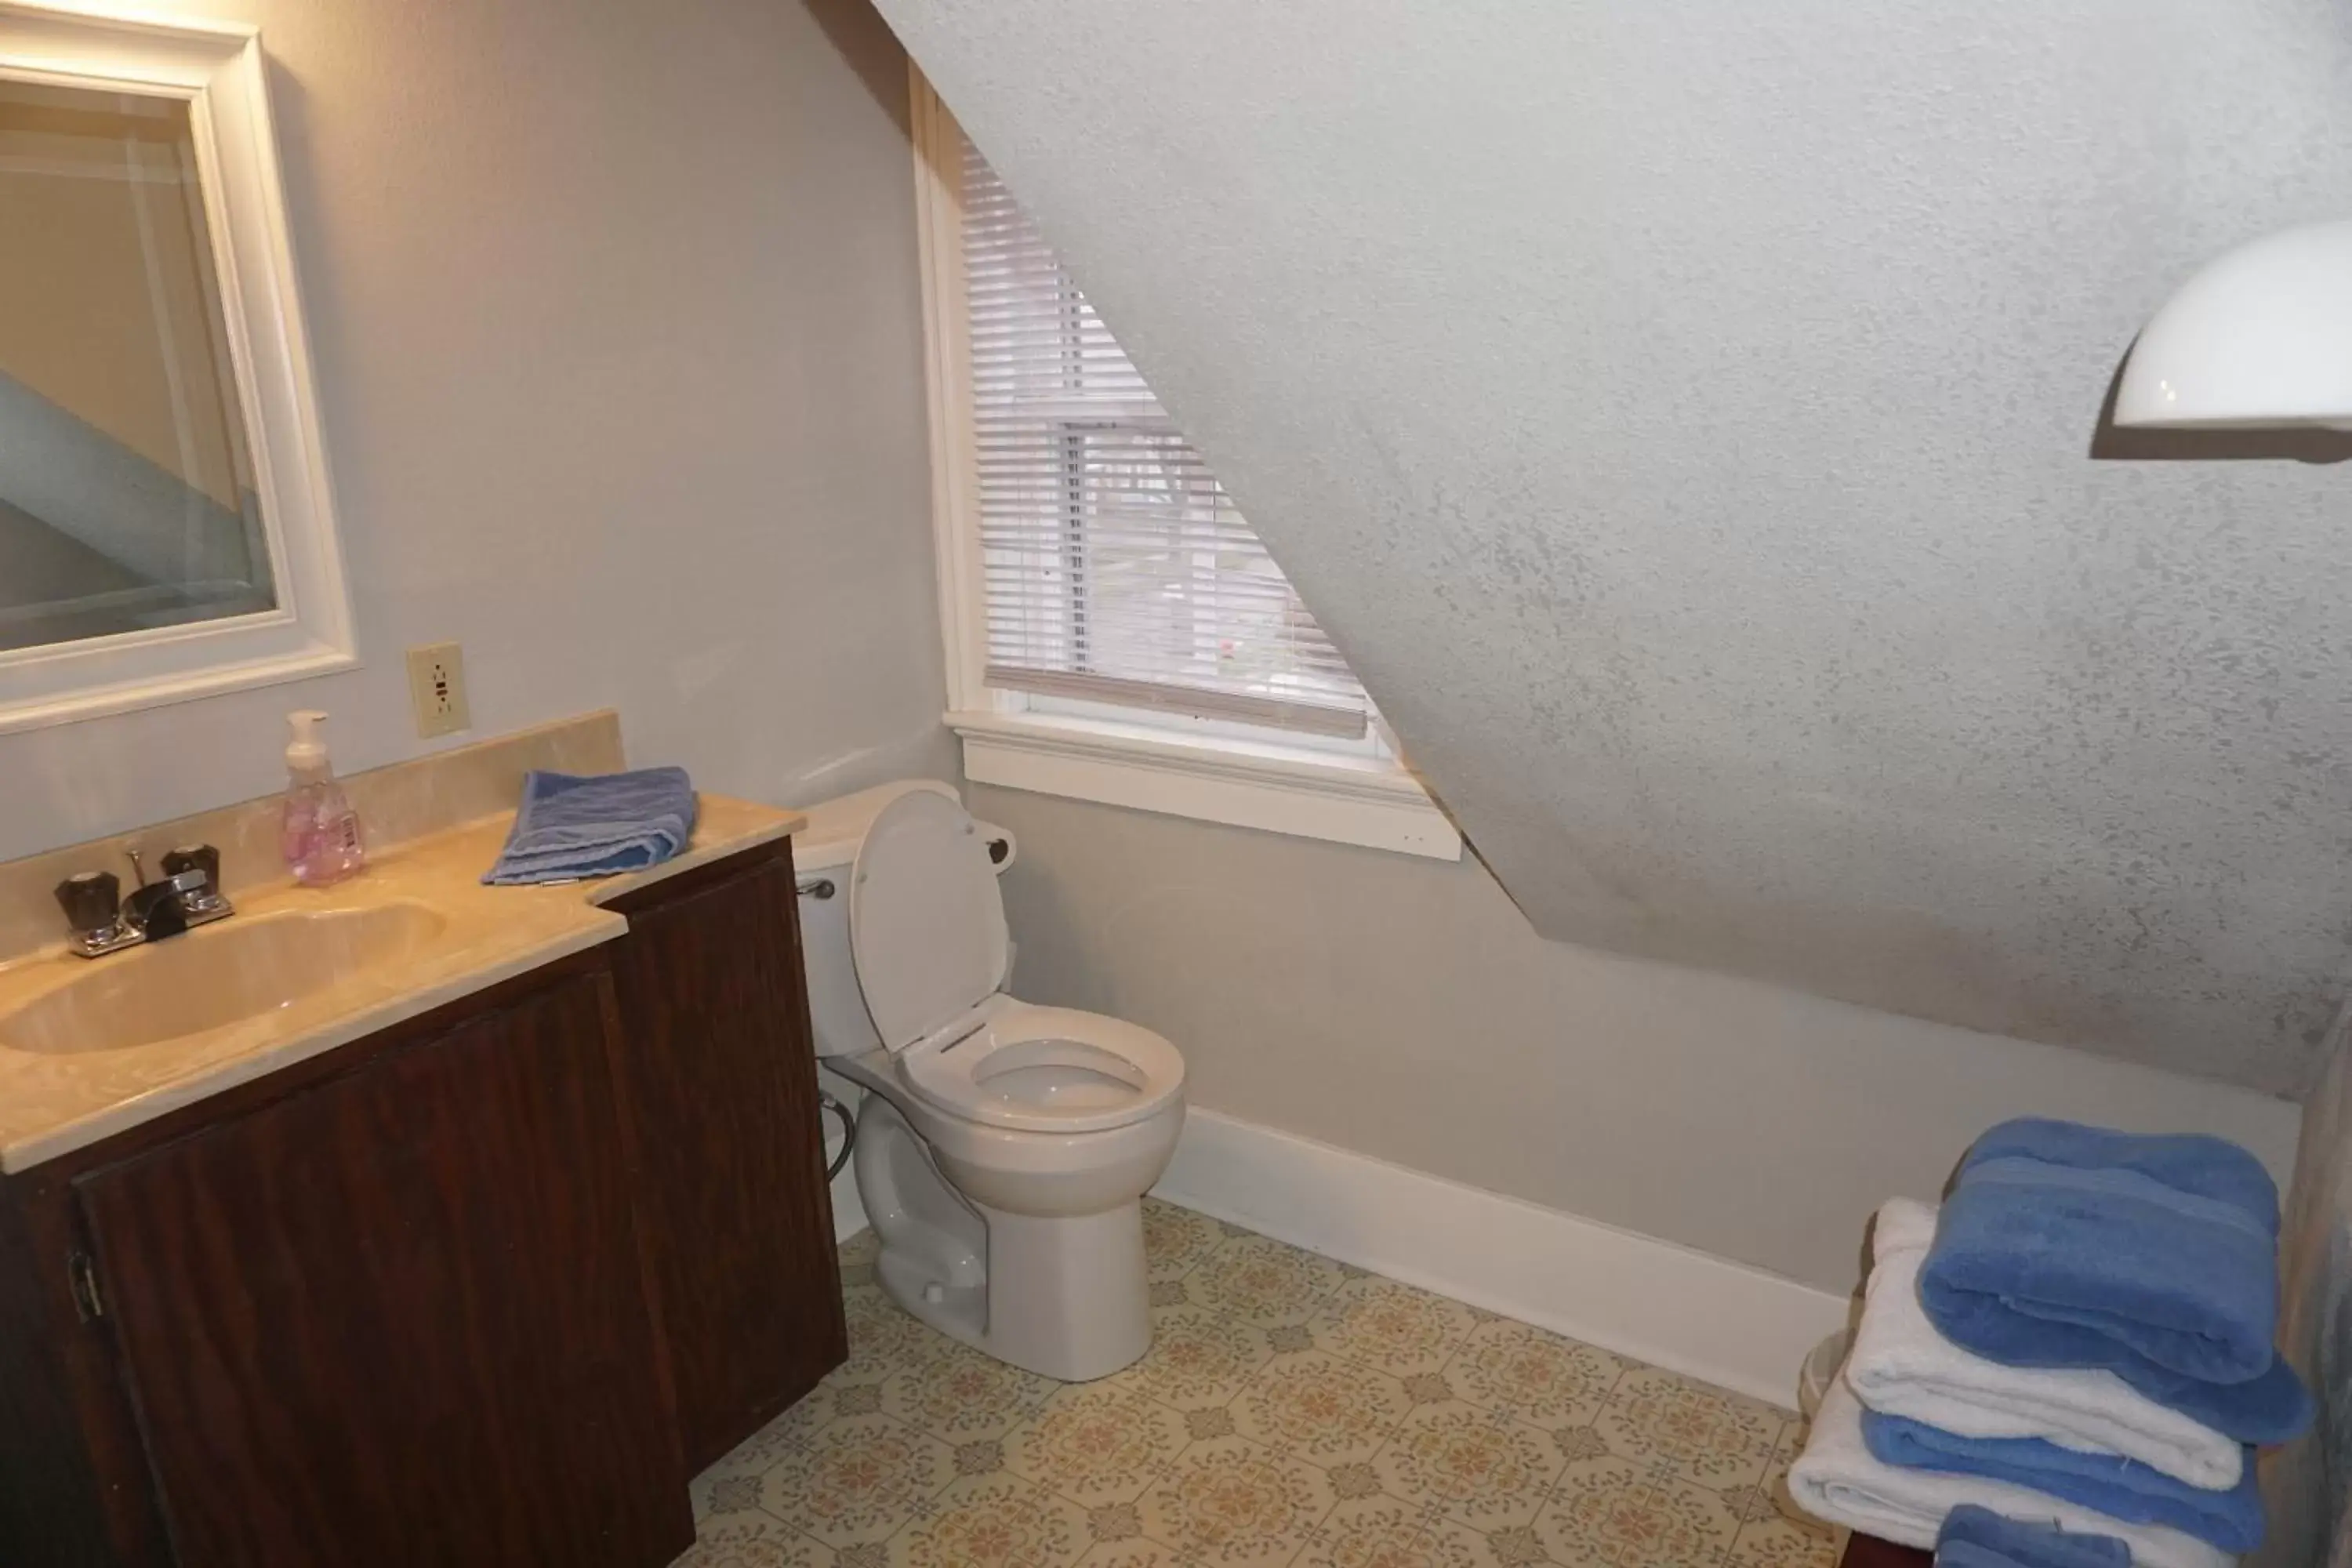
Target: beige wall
(1405, 1008)
(619, 350)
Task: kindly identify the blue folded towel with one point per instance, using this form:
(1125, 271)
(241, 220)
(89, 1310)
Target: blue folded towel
(1975, 1537)
(572, 827)
(2152, 1256)
(2072, 1246)
(2121, 1489)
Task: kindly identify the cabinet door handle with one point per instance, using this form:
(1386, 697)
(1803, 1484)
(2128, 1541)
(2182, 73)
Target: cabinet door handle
(81, 1279)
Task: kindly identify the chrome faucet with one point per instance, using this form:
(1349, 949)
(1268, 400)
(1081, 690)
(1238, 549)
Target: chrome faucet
(103, 921)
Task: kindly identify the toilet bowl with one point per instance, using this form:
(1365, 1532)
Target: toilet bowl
(1002, 1148)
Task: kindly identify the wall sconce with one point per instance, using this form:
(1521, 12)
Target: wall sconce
(2260, 338)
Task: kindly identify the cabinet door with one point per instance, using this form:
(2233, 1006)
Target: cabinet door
(401, 1318)
(720, 1084)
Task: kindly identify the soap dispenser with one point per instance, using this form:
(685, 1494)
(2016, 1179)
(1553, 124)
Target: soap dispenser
(320, 834)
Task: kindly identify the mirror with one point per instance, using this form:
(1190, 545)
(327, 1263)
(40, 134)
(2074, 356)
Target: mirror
(166, 523)
(127, 493)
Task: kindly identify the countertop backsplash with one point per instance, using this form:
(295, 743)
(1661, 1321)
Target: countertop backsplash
(397, 803)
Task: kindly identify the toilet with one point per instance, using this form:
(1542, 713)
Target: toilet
(1002, 1149)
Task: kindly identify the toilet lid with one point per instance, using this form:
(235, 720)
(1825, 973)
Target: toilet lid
(926, 923)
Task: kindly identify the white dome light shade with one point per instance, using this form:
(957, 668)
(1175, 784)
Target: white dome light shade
(2260, 337)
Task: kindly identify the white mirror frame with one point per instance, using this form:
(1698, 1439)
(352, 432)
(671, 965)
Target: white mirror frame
(219, 70)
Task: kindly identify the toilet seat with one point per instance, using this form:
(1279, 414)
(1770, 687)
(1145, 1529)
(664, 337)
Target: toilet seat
(1045, 1069)
(927, 935)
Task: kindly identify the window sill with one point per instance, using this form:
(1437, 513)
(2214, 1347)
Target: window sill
(1276, 789)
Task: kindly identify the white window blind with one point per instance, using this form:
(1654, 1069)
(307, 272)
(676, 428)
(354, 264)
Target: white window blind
(1116, 568)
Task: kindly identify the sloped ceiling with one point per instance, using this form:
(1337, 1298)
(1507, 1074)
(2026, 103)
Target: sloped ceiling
(1682, 414)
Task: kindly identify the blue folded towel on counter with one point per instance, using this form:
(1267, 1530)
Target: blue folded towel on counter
(2125, 1489)
(573, 826)
(1975, 1537)
(2072, 1246)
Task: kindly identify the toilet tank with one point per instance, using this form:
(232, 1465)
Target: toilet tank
(824, 851)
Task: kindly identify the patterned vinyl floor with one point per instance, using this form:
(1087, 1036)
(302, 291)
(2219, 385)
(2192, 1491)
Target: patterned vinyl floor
(1293, 1411)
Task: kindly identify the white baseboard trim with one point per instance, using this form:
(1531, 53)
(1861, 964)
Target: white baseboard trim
(1731, 1325)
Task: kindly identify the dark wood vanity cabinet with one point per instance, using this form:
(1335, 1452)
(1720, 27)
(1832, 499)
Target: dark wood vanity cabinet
(488, 1286)
(716, 1065)
(401, 1316)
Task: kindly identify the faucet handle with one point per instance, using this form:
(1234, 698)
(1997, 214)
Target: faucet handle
(201, 858)
(92, 900)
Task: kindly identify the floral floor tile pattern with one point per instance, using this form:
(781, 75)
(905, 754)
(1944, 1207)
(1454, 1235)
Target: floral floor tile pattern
(1293, 1411)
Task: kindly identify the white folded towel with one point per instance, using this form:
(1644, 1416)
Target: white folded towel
(1835, 1479)
(1901, 1365)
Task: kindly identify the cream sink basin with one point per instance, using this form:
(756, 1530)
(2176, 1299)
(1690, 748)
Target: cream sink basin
(243, 968)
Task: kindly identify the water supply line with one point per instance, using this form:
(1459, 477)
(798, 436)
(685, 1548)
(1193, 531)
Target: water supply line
(825, 1103)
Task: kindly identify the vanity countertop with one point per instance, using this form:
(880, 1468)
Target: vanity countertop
(55, 1101)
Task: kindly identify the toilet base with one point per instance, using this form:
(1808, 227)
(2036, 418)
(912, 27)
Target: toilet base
(1069, 1298)
(1064, 1296)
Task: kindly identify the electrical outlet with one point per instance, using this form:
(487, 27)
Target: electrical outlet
(436, 688)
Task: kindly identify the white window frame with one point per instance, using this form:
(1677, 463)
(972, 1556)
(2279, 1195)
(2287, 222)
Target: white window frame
(218, 70)
(1343, 793)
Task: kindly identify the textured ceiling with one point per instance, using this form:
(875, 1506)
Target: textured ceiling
(1683, 416)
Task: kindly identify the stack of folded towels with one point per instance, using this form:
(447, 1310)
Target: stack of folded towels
(2081, 1338)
